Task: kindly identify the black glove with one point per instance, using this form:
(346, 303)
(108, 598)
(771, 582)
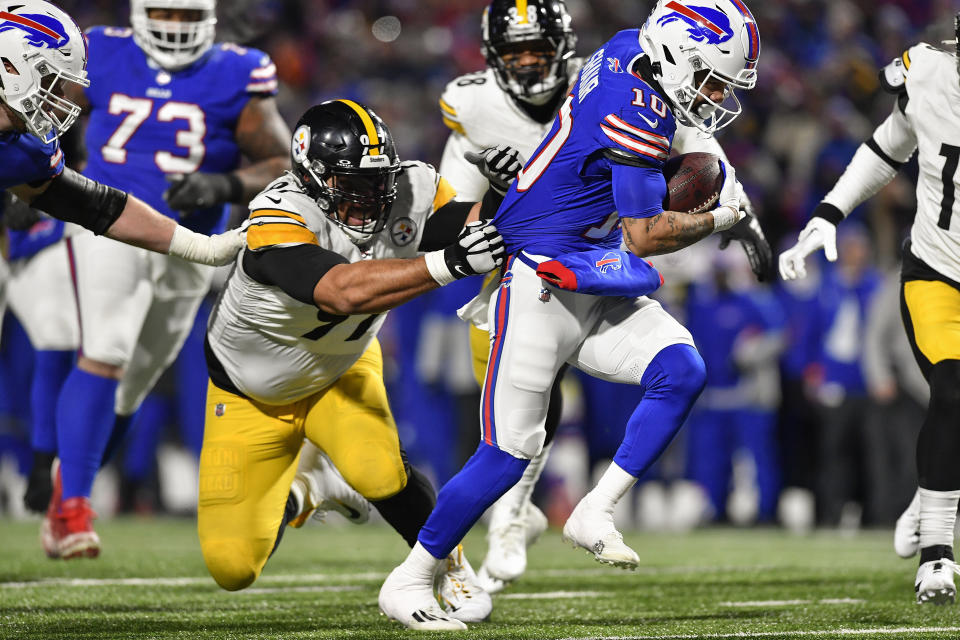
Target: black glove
(750, 236)
(18, 216)
(192, 191)
(500, 165)
(478, 249)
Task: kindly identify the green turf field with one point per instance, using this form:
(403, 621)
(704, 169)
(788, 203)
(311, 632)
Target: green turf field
(150, 582)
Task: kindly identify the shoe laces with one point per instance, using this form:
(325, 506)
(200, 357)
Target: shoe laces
(456, 575)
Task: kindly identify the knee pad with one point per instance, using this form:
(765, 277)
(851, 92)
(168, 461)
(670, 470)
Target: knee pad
(376, 474)
(233, 563)
(677, 368)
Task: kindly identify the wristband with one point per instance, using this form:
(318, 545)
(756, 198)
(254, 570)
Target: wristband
(724, 218)
(828, 212)
(437, 266)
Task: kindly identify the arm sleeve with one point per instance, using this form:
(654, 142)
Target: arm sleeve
(874, 164)
(638, 191)
(443, 227)
(295, 270)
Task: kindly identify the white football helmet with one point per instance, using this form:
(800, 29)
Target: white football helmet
(41, 48)
(171, 44)
(684, 37)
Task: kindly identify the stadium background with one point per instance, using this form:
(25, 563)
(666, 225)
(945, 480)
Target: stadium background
(822, 429)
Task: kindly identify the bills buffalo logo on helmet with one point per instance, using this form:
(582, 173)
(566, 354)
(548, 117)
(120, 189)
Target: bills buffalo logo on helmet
(45, 32)
(704, 24)
(609, 262)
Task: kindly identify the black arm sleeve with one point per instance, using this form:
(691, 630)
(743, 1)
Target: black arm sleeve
(295, 270)
(444, 225)
(78, 199)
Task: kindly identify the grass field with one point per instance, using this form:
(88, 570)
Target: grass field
(150, 582)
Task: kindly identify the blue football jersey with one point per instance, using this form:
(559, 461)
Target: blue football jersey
(147, 123)
(26, 160)
(563, 199)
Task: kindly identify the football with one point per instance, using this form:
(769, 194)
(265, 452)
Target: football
(693, 182)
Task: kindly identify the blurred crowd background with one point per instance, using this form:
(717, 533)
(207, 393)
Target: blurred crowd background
(813, 400)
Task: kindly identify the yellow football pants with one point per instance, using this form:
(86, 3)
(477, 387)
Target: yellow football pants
(250, 453)
(934, 321)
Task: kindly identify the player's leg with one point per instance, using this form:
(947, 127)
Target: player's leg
(636, 342)
(709, 455)
(112, 291)
(42, 297)
(757, 433)
(353, 424)
(247, 465)
(931, 314)
(531, 340)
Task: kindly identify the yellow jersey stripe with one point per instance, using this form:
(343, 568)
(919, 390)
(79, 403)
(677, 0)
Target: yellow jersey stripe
(277, 212)
(906, 59)
(445, 193)
(374, 140)
(268, 235)
(522, 12)
(456, 126)
(448, 109)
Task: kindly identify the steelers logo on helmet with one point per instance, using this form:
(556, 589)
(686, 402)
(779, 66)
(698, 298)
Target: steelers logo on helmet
(300, 146)
(348, 164)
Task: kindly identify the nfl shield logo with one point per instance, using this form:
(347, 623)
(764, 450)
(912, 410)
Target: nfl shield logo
(219, 410)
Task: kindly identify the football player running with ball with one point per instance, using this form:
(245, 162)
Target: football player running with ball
(598, 169)
(171, 115)
(292, 349)
(926, 81)
(513, 102)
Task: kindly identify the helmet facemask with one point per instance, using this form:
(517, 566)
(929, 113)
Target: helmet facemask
(692, 102)
(174, 44)
(47, 113)
(528, 80)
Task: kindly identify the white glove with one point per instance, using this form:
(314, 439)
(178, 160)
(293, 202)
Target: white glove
(728, 211)
(819, 232)
(215, 250)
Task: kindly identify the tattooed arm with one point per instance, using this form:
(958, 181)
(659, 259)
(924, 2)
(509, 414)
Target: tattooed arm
(665, 232)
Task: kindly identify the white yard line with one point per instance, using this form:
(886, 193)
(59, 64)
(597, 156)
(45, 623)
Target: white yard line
(550, 595)
(307, 589)
(883, 631)
(788, 603)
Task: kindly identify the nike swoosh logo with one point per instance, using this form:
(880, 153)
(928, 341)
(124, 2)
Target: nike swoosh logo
(273, 200)
(652, 123)
(460, 270)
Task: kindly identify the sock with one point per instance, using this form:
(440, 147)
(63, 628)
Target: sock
(422, 563)
(408, 510)
(50, 370)
(84, 421)
(121, 426)
(290, 511)
(938, 513)
(613, 485)
(487, 475)
(671, 383)
(509, 508)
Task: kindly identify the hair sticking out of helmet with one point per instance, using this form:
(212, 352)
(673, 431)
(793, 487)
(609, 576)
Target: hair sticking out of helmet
(528, 43)
(42, 50)
(174, 33)
(345, 158)
(700, 50)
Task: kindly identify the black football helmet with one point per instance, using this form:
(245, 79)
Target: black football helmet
(344, 156)
(543, 26)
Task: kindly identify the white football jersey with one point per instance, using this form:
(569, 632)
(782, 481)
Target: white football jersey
(933, 117)
(278, 350)
(481, 114)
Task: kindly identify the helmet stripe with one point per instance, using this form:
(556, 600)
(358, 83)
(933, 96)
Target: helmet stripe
(695, 16)
(32, 24)
(522, 12)
(374, 139)
(744, 10)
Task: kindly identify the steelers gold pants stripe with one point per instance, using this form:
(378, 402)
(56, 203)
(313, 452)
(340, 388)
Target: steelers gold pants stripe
(250, 454)
(932, 320)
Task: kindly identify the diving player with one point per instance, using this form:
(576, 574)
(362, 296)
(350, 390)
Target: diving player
(513, 101)
(44, 54)
(292, 349)
(597, 169)
(926, 81)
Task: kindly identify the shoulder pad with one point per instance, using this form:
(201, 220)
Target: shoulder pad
(110, 32)
(282, 215)
(457, 96)
(639, 131)
(893, 77)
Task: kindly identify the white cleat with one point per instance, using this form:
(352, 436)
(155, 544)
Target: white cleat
(934, 584)
(536, 521)
(410, 601)
(906, 533)
(326, 490)
(460, 591)
(506, 558)
(592, 529)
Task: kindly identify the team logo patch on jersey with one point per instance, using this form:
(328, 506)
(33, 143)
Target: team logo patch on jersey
(42, 31)
(704, 23)
(403, 231)
(614, 65)
(609, 262)
(301, 143)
